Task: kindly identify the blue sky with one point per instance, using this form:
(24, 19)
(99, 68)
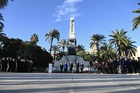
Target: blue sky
(26, 17)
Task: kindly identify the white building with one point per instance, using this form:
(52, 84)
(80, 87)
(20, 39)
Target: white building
(138, 51)
(92, 50)
(137, 54)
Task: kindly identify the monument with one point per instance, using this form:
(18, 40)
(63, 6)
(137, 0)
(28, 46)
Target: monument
(72, 40)
(71, 56)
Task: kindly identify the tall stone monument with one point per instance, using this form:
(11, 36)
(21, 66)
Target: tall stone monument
(71, 49)
(72, 40)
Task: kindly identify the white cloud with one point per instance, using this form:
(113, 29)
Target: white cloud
(67, 10)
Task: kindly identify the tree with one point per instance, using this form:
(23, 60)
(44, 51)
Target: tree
(55, 48)
(63, 43)
(42, 57)
(2, 35)
(119, 39)
(16, 47)
(130, 48)
(3, 3)
(26, 51)
(51, 35)
(34, 39)
(89, 57)
(80, 49)
(136, 20)
(97, 40)
(60, 54)
(107, 52)
(1, 24)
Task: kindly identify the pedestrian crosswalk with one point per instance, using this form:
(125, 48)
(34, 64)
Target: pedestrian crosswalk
(68, 83)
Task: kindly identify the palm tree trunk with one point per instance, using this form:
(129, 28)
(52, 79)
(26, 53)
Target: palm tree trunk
(98, 51)
(54, 56)
(63, 48)
(51, 46)
(119, 50)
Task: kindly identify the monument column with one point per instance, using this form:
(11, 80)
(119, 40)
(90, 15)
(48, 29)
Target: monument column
(72, 40)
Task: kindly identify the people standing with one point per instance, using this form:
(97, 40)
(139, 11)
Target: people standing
(103, 67)
(82, 67)
(122, 64)
(8, 61)
(77, 67)
(18, 65)
(61, 67)
(65, 67)
(134, 65)
(115, 65)
(71, 67)
(0, 65)
(138, 64)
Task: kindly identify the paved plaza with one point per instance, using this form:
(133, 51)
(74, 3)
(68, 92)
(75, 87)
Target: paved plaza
(68, 83)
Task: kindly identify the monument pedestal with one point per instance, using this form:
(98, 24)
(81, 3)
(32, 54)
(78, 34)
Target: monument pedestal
(68, 59)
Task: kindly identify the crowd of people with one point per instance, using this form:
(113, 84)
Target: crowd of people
(70, 67)
(9, 64)
(122, 65)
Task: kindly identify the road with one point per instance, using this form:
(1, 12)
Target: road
(68, 83)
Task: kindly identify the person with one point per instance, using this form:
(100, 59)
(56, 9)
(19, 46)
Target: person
(0, 65)
(18, 64)
(122, 64)
(106, 67)
(8, 61)
(71, 67)
(110, 66)
(96, 66)
(138, 64)
(65, 67)
(77, 67)
(115, 65)
(134, 65)
(103, 67)
(82, 67)
(61, 67)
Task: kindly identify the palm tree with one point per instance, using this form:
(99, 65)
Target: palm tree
(97, 40)
(80, 49)
(34, 39)
(63, 43)
(1, 17)
(2, 35)
(51, 35)
(55, 48)
(89, 57)
(136, 20)
(26, 50)
(119, 39)
(60, 54)
(130, 49)
(107, 52)
(1, 24)
(3, 3)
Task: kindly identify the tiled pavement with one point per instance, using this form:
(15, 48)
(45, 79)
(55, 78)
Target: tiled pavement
(68, 83)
